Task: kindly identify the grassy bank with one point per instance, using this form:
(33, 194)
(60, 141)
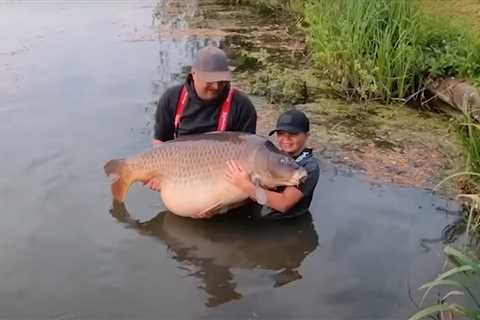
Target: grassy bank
(383, 49)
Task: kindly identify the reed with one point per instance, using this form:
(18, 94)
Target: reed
(383, 49)
(464, 276)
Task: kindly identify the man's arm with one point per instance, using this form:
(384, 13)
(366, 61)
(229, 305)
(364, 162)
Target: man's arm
(156, 142)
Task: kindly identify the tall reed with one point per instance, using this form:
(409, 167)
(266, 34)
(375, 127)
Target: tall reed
(463, 279)
(383, 49)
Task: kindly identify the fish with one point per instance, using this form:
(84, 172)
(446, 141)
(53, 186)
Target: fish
(191, 171)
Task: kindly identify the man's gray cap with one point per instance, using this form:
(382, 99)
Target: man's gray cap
(211, 65)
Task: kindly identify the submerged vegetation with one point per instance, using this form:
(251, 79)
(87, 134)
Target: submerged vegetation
(278, 83)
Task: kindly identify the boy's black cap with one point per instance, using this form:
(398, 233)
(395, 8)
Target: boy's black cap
(293, 121)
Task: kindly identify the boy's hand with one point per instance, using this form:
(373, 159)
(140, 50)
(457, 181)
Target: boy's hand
(237, 176)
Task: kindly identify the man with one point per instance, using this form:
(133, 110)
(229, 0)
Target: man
(292, 133)
(205, 102)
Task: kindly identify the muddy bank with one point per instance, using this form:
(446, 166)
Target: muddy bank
(395, 143)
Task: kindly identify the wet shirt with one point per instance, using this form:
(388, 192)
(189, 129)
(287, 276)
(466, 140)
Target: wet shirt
(307, 160)
(202, 116)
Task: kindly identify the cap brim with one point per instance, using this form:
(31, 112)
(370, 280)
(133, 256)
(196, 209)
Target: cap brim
(287, 129)
(215, 76)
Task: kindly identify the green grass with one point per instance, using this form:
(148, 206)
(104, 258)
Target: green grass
(382, 49)
(470, 132)
(278, 7)
(464, 13)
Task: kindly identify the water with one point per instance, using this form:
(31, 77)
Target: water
(78, 83)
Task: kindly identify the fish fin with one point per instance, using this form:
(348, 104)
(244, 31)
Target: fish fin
(117, 170)
(260, 194)
(210, 211)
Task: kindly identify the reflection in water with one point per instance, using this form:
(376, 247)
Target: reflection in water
(449, 234)
(177, 49)
(210, 249)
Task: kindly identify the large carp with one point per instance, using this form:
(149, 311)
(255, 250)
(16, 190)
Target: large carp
(191, 171)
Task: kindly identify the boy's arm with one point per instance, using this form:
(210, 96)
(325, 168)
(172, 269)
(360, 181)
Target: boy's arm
(280, 201)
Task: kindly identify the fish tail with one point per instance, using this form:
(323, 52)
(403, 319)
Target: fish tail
(121, 178)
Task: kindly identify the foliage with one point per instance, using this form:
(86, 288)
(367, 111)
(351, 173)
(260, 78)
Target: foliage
(470, 135)
(463, 276)
(382, 49)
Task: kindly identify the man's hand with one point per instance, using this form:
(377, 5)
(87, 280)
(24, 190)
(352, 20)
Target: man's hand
(156, 142)
(153, 184)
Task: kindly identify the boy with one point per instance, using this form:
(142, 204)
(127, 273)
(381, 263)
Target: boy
(292, 132)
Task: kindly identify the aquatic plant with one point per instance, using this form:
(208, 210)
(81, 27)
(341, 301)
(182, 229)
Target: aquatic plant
(463, 276)
(465, 273)
(278, 82)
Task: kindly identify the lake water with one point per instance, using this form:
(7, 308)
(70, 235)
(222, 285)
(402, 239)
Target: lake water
(78, 85)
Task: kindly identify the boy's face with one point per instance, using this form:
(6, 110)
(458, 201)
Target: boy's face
(291, 143)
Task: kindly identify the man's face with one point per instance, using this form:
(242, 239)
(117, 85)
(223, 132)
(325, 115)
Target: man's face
(207, 90)
(291, 143)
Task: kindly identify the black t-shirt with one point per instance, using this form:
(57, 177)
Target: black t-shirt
(202, 116)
